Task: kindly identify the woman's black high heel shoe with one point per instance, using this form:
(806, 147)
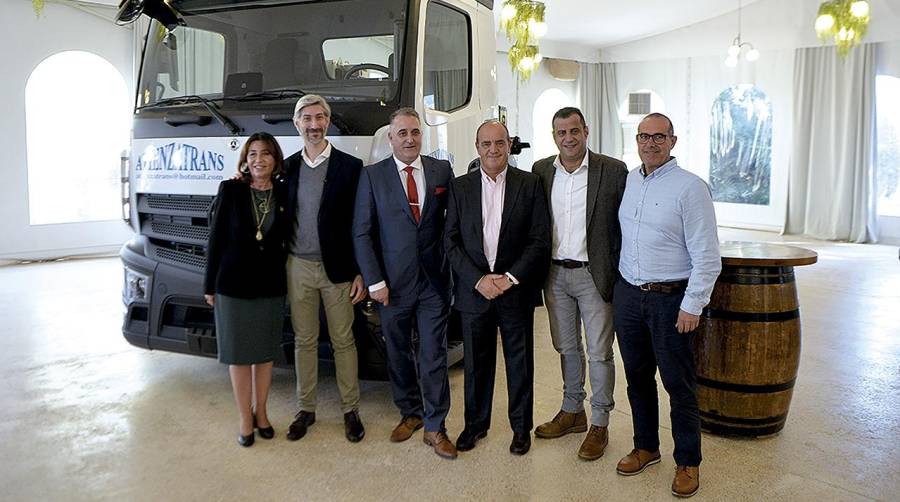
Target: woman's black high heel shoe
(247, 440)
(264, 432)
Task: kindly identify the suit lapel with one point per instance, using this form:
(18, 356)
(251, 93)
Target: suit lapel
(474, 196)
(511, 194)
(595, 175)
(389, 169)
(429, 172)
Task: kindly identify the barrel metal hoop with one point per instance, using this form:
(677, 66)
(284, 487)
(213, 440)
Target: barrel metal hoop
(746, 388)
(755, 276)
(728, 315)
(727, 430)
(744, 421)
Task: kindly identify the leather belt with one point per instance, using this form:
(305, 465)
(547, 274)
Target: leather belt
(662, 287)
(570, 263)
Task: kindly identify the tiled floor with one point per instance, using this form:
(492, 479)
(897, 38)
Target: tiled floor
(84, 415)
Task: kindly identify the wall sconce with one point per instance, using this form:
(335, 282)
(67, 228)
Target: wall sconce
(523, 23)
(845, 21)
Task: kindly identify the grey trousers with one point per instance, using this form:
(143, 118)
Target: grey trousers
(572, 298)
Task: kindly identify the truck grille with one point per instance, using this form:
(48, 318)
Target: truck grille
(177, 227)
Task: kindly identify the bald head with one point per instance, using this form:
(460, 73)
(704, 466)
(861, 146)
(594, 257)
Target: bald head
(493, 146)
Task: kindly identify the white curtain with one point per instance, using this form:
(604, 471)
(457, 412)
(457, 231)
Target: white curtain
(830, 192)
(598, 100)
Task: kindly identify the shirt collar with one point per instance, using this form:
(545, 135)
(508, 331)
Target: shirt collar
(584, 164)
(416, 164)
(659, 171)
(501, 177)
(326, 153)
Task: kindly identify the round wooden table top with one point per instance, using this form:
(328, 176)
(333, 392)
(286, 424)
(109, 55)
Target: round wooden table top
(764, 254)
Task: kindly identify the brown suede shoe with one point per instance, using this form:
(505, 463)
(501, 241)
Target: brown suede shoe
(440, 442)
(594, 443)
(686, 482)
(405, 428)
(636, 461)
(563, 423)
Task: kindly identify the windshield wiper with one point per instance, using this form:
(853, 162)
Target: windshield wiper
(268, 95)
(193, 99)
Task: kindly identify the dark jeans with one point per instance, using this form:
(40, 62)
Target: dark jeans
(648, 339)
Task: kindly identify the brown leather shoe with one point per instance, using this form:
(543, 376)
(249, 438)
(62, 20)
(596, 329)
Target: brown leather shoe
(636, 461)
(406, 428)
(686, 482)
(563, 423)
(594, 443)
(440, 442)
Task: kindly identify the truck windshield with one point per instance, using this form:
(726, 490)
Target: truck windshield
(233, 51)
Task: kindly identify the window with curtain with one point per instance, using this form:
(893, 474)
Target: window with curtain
(77, 123)
(740, 146)
(448, 81)
(887, 162)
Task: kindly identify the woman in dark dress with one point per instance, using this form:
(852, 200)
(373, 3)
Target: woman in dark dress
(245, 278)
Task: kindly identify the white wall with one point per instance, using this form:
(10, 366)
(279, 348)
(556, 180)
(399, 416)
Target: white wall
(27, 41)
(685, 67)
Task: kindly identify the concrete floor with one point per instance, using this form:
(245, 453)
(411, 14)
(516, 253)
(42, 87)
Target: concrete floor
(85, 416)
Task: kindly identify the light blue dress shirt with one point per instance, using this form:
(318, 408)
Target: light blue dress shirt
(669, 232)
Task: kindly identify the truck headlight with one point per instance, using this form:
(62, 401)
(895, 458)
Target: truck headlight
(135, 288)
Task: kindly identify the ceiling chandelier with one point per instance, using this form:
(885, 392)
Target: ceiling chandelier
(523, 23)
(845, 21)
(738, 46)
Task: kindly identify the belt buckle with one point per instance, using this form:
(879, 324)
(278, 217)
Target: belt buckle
(645, 287)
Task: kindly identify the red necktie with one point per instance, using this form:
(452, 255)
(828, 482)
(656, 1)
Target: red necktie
(412, 193)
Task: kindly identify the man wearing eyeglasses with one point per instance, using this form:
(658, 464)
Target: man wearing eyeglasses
(669, 264)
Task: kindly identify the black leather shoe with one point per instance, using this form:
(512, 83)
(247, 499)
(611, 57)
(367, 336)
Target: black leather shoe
(353, 427)
(247, 440)
(264, 432)
(467, 439)
(521, 443)
(302, 420)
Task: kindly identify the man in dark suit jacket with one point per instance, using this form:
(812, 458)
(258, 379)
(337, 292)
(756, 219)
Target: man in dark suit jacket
(584, 190)
(498, 243)
(398, 226)
(322, 184)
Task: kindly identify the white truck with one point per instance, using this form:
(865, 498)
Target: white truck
(212, 72)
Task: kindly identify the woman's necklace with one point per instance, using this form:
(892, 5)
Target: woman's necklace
(262, 206)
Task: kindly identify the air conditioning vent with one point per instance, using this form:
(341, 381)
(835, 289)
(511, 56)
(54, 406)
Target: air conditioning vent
(638, 103)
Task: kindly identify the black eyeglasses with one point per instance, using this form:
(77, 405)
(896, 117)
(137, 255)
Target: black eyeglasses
(658, 138)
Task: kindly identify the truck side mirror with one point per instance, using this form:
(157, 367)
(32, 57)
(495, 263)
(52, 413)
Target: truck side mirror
(518, 145)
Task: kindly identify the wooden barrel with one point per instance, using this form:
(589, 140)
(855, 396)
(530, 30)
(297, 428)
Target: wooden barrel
(747, 351)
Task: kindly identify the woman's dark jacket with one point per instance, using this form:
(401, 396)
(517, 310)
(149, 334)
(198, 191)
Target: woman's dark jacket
(237, 264)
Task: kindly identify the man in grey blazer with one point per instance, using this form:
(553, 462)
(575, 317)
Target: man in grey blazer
(584, 190)
(398, 229)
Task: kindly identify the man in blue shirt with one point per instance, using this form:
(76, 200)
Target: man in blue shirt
(669, 264)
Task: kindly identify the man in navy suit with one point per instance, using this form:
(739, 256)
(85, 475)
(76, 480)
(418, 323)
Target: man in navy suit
(398, 227)
(498, 242)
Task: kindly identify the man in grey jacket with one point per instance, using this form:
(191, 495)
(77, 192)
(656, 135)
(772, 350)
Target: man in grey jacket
(584, 190)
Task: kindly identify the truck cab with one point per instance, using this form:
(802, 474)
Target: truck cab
(212, 72)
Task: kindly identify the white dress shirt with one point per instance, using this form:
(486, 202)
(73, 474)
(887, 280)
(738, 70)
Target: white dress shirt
(418, 175)
(492, 195)
(322, 157)
(568, 201)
